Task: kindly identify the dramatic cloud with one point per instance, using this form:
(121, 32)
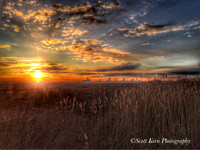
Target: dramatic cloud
(91, 50)
(41, 15)
(6, 63)
(87, 37)
(122, 67)
(148, 29)
(30, 67)
(88, 13)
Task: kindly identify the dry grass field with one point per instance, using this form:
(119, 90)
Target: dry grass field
(99, 115)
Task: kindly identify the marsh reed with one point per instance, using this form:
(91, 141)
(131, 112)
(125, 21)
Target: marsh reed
(100, 116)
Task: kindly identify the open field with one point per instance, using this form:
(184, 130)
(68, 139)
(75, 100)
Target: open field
(99, 115)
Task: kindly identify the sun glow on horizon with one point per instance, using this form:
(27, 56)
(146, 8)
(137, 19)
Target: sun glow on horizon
(38, 74)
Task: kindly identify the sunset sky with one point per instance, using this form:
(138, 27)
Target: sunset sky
(69, 40)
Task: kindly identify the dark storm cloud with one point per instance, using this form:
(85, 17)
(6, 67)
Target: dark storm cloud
(192, 71)
(94, 13)
(122, 67)
(55, 68)
(162, 67)
(2, 64)
(160, 26)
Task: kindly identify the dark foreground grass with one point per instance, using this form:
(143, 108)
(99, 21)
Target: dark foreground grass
(99, 115)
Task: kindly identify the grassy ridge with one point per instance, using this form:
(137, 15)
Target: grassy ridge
(99, 115)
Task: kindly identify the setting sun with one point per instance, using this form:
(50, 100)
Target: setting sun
(38, 74)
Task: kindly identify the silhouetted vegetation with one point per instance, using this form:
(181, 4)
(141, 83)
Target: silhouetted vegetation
(94, 115)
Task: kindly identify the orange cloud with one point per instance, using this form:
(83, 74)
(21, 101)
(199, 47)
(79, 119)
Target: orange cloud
(72, 32)
(18, 13)
(110, 6)
(53, 41)
(32, 2)
(41, 15)
(4, 46)
(16, 28)
(114, 50)
(92, 50)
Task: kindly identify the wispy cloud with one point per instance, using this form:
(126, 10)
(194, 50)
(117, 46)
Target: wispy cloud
(148, 29)
(55, 68)
(122, 67)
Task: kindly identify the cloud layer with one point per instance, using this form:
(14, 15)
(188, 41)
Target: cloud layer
(148, 29)
(123, 67)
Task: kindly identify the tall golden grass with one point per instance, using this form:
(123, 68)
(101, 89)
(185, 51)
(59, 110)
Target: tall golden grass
(100, 116)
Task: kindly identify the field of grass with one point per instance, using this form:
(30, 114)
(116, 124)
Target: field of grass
(99, 115)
